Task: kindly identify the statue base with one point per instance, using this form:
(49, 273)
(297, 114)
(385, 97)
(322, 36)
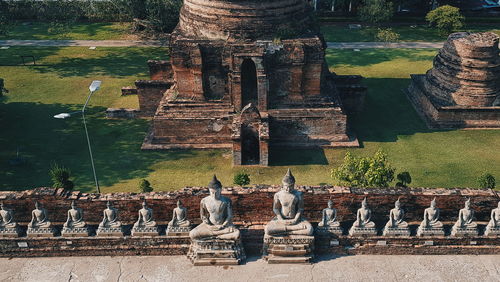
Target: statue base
(288, 249)
(109, 232)
(9, 232)
(464, 232)
(363, 231)
(175, 231)
(75, 232)
(40, 232)
(396, 232)
(430, 232)
(331, 231)
(216, 252)
(145, 231)
(492, 231)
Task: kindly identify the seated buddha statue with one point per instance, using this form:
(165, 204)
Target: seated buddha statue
(431, 217)
(465, 217)
(329, 216)
(216, 216)
(6, 218)
(39, 218)
(493, 227)
(179, 216)
(288, 206)
(75, 217)
(145, 218)
(110, 217)
(363, 216)
(396, 217)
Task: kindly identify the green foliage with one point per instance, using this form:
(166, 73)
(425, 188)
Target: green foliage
(446, 18)
(376, 11)
(486, 181)
(60, 177)
(163, 15)
(241, 178)
(403, 178)
(387, 35)
(364, 172)
(145, 186)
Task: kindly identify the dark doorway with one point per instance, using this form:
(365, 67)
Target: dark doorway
(250, 153)
(248, 83)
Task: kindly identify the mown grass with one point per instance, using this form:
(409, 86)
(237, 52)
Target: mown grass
(342, 33)
(59, 84)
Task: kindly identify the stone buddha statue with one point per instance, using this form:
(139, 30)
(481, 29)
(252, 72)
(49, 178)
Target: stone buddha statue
(145, 218)
(493, 227)
(179, 216)
(288, 206)
(431, 224)
(216, 215)
(75, 217)
(6, 218)
(396, 224)
(329, 216)
(110, 217)
(39, 218)
(363, 221)
(465, 222)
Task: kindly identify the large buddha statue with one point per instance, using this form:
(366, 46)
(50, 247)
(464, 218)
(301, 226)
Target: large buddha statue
(396, 226)
(75, 217)
(431, 224)
(363, 224)
(329, 224)
(6, 218)
(39, 218)
(145, 218)
(110, 225)
(216, 216)
(493, 227)
(288, 206)
(179, 216)
(465, 224)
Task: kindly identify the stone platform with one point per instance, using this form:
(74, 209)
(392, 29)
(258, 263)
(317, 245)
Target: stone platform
(216, 252)
(40, 232)
(75, 232)
(396, 232)
(290, 249)
(329, 231)
(9, 232)
(492, 232)
(146, 231)
(362, 232)
(177, 231)
(464, 232)
(430, 232)
(109, 232)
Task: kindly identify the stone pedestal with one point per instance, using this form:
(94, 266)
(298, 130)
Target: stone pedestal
(75, 232)
(40, 232)
(145, 231)
(289, 249)
(492, 231)
(363, 231)
(396, 232)
(330, 231)
(216, 252)
(109, 232)
(430, 232)
(9, 232)
(464, 232)
(175, 231)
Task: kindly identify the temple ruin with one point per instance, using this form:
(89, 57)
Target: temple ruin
(247, 76)
(462, 90)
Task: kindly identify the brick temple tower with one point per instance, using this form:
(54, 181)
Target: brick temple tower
(249, 76)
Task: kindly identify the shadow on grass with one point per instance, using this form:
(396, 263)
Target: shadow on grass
(40, 139)
(367, 57)
(290, 156)
(12, 56)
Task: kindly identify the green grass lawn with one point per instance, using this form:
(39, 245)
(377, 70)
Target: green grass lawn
(82, 31)
(59, 84)
(342, 33)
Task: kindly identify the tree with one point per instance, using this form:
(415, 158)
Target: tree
(486, 181)
(163, 15)
(387, 35)
(145, 186)
(446, 18)
(376, 11)
(60, 177)
(241, 178)
(364, 172)
(404, 179)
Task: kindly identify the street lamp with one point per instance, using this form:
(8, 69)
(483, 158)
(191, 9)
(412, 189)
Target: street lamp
(94, 86)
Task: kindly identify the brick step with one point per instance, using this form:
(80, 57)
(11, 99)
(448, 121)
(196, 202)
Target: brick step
(279, 260)
(288, 253)
(217, 261)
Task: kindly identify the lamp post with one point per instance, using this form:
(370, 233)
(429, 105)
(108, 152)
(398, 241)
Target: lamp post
(94, 86)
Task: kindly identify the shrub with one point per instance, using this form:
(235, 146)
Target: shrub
(60, 177)
(404, 179)
(163, 15)
(145, 186)
(486, 181)
(376, 11)
(446, 18)
(364, 172)
(387, 35)
(241, 178)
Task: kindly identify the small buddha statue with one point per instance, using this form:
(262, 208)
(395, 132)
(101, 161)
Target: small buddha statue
(329, 218)
(363, 216)
(6, 218)
(39, 217)
(288, 206)
(493, 227)
(145, 217)
(216, 216)
(465, 223)
(396, 224)
(75, 217)
(431, 224)
(179, 216)
(110, 217)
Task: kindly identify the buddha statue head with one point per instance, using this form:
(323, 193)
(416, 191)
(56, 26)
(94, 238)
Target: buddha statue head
(499, 205)
(397, 204)
(179, 204)
(73, 204)
(330, 204)
(288, 181)
(215, 187)
(467, 203)
(364, 204)
(2, 206)
(109, 205)
(144, 204)
(433, 203)
(37, 205)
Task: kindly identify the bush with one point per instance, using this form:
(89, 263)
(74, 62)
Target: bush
(60, 177)
(376, 11)
(163, 15)
(387, 35)
(404, 179)
(364, 172)
(486, 181)
(446, 18)
(241, 178)
(145, 186)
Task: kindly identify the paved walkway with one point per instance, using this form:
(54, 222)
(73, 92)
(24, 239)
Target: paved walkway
(156, 43)
(178, 268)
